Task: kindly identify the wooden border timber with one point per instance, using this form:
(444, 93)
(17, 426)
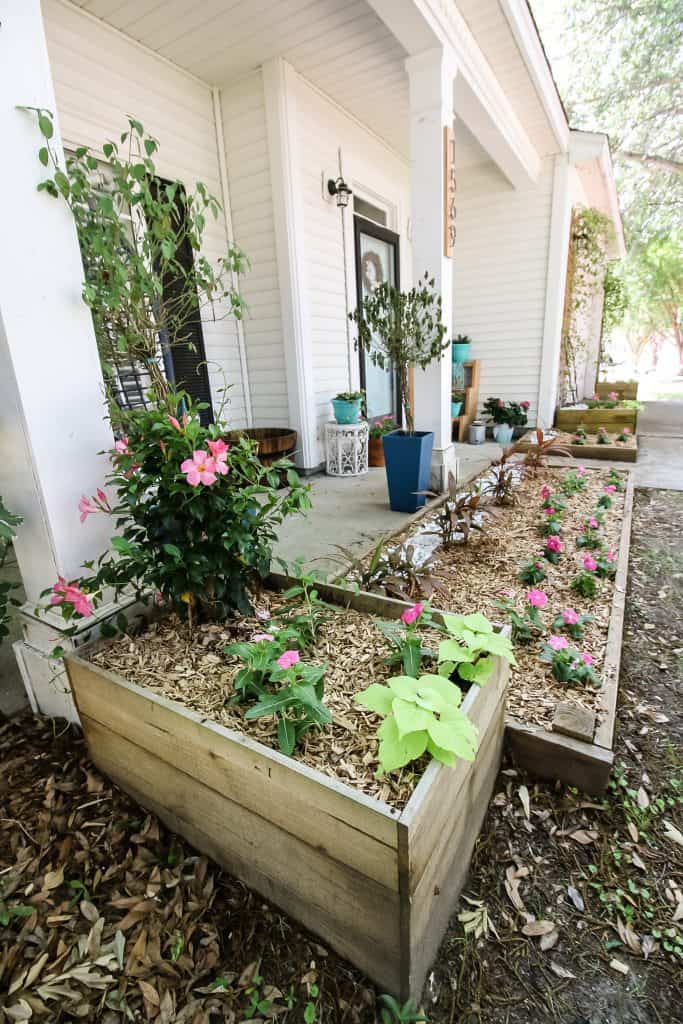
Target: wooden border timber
(613, 420)
(551, 755)
(603, 452)
(377, 884)
(626, 389)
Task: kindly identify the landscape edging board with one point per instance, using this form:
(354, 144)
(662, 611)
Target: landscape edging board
(612, 420)
(377, 884)
(604, 452)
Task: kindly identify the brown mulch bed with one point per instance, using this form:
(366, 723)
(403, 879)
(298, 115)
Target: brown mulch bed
(128, 923)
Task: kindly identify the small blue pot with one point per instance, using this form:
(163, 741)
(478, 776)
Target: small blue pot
(408, 459)
(460, 351)
(502, 433)
(455, 409)
(346, 412)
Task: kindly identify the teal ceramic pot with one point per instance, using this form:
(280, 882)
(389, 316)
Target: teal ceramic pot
(346, 412)
(460, 351)
(455, 409)
(502, 433)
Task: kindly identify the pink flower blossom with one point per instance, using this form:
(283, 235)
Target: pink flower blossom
(545, 492)
(558, 643)
(411, 614)
(174, 423)
(587, 658)
(219, 450)
(609, 489)
(549, 510)
(200, 469)
(501, 403)
(539, 565)
(589, 563)
(258, 638)
(537, 598)
(554, 543)
(288, 659)
(626, 430)
(86, 508)
(613, 396)
(581, 470)
(121, 447)
(593, 523)
(596, 396)
(524, 405)
(610, 555)
(570, 617)
(71, 594)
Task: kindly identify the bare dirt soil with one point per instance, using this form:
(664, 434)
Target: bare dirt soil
(575, 905)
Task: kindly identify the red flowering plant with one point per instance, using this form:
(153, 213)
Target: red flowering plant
(196, 518)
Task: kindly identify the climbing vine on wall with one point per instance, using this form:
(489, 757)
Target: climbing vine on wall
(591, 232)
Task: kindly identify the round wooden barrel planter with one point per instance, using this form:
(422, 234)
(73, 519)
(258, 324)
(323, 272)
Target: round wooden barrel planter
(375, 452)
(273, 442)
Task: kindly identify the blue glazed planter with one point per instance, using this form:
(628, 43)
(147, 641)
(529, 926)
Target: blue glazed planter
(346, 412)
(502, 433)
(455, 408)
(408, 458)
(460, 351)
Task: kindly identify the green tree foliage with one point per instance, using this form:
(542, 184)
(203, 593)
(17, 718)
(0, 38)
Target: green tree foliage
(653, 277)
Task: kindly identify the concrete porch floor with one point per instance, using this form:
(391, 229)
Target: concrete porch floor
(354, 513)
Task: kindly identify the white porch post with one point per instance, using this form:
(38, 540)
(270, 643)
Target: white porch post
(51, 390)
(431, 75)
(556, 280)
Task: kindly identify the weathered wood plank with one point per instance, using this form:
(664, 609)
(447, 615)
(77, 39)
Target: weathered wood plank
(625, 389)
(612, 420)
(550, 756)
(352, 913)
(607, 713)
(361, 833)
(603, 452)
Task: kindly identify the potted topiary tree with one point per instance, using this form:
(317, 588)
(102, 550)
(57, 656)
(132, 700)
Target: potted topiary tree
(398, 330)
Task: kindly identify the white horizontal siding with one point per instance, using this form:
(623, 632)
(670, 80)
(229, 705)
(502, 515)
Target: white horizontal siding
(322, 130)
(251, 202)
(100, 79)
(500, 273)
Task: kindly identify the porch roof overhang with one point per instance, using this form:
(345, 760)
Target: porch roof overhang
(590, 153)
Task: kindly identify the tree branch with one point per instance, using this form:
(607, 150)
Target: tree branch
(653, 161)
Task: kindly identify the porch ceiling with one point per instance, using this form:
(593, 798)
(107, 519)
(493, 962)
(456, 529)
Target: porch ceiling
(345, 50)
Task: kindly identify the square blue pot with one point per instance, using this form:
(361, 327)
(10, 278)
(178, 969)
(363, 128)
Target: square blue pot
(408, 459)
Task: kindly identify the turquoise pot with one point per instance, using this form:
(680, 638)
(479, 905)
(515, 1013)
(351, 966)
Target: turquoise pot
(346, 412)
(455, 409)
(460, 351)
(502, 433)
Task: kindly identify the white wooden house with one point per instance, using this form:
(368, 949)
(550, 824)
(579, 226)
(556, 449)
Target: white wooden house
(265, 102)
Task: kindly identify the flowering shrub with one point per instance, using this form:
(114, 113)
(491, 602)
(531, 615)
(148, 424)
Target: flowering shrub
(567, 664)
(605, 499)
(404, 638)
(616, 478)
(196, 518)
(383, 426)
(532, 572)
(552, 523)
(298, 704)
(552, 501)
(472, 647)
(603, 436)
(553, 548)
(526, 625)
(584, 583)
(514, 414)
(606, 567)
(625, 434)
(572, 623)
(590, 536)
(574, 480)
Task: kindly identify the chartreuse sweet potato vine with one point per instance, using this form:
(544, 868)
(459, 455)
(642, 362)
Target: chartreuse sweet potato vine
(423, 715)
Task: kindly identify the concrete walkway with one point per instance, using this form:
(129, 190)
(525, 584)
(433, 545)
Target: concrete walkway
(660, 446)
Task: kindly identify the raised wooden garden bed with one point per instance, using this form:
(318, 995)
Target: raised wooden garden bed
(375, 881)
(613, 420)
(625, 389)
(615, 451)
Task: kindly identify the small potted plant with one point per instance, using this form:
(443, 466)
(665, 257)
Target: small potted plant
(375, 445)
(347, 406)
(457, 399)
(505, 416)
(460, 348)
(399, 330)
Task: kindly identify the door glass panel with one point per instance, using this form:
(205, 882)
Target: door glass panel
(376, 266)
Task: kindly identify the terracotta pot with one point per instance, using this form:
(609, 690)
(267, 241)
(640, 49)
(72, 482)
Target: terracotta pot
(375, 452)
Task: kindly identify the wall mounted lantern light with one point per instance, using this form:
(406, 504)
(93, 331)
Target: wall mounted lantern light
(340, 190)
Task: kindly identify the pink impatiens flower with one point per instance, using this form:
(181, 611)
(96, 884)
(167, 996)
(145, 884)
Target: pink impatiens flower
(411, 614)
(580, 470)
(549, 510)
(587, 658)
(609, 489)
(219, 451)
(121, 447)
(71, 594)
(200, 469)
(613, 396)
(258, 638)
(554, 543)
(589, 563)
(610, 555)
(545, 492)
(537, 598)
(558, 643)
(570, 617)
(593, 523)
(288, 659)
(626, 430)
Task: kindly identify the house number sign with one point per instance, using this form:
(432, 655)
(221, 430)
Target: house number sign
(449, 191)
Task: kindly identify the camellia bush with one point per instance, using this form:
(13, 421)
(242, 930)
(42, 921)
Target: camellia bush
(195, 517)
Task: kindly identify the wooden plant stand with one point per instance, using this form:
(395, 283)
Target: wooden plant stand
(460, 424)
(376, 883)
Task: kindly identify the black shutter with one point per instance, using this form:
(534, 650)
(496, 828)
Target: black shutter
(185, 359)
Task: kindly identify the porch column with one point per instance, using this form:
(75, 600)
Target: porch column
(51, 389)
(431, 76)
(556, 282)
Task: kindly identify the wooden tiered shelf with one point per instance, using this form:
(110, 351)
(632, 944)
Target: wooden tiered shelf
(460, 424)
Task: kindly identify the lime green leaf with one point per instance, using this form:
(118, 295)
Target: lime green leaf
(445, 756)
(447, 690)
(458, 736)
(403, 686)
(376, 698)
(452, 650)
(479, 672)
(410, 718)
(394, 752)
(478, 623)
